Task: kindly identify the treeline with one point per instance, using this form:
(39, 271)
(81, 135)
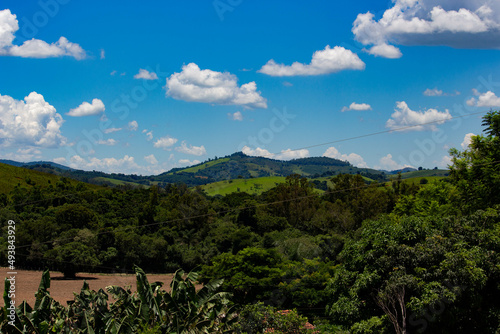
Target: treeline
(360, 258)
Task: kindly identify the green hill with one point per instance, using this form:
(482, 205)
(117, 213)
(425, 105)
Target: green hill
(250, 186)
(11, 176)
(422, 173)
(241, 166)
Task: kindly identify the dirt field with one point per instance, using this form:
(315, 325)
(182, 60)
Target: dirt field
(61, 289)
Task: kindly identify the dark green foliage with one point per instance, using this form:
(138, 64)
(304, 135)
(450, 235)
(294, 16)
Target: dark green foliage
(251, 274)
(427, 262)
(476, 171)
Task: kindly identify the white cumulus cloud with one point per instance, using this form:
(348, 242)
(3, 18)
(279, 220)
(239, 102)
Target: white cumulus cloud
(467, 140)
(165, 142)
(33, 48)
(287, 154)
(23, 154)
(385, 50)
(237, 116)
(60, 160)
(325, 61)
(388, 163)
(146, 75)
(88, 109)
(195, 85)
(257, 152)
(290, 154)
(408, 120)
(433, 92)
(445, 162)
(357, 106)
(439, 92)
(107, 142)
(353, 158)
(126, 164)
(193, 150)
(133, 125)
(459, 24)
(151, 159)
(31, 121)
(187, 162)
(111, 130)
(488, 99)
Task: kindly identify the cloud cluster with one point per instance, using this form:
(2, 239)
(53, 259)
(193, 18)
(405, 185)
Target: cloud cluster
(459, 24)
(257, 152)
(23, 154)
(33, 48)
(467, 140)
(146, 75)
(192, 150)
(126, 164)
(409, 120)
(88, 109)
(133, 125)
(107, 142)
(433, 92)
(290, 154)
(388, 163)
(357, 106)
(111, 130)
(187, 162)
(195, 85)
(488, 99)
(438, 92)
(31, 121)
(353, 158)
(151, 159)
(110, 165)
(237, 116)
(165, 143)
(287, 154)
(323, 62)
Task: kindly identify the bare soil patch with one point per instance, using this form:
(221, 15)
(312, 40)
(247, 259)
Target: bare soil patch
(62, 289)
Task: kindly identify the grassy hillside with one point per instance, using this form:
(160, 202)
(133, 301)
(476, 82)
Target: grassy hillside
(256, 186)
(250, 186)
(196, 168)
(422, 173)
(11, 176)
(115, 182)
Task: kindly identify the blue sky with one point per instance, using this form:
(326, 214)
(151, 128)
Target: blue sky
(120, 86)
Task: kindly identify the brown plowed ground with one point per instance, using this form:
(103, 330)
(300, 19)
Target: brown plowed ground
(61, 289)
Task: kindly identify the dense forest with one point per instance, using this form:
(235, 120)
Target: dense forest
(378, 257)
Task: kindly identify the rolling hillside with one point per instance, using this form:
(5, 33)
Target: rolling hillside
(241, 166)
(11, 176)
(236, 167)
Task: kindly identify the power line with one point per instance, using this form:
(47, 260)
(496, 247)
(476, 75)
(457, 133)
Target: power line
(380, 132)
(305, 147)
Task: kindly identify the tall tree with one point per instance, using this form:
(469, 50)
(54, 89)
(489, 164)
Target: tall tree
(476, 171)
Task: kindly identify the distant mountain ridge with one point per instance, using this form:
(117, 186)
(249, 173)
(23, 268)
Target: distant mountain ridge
(34, 163)
(234, 166)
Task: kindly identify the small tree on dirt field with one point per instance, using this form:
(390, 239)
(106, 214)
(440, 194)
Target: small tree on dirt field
(74, 251)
